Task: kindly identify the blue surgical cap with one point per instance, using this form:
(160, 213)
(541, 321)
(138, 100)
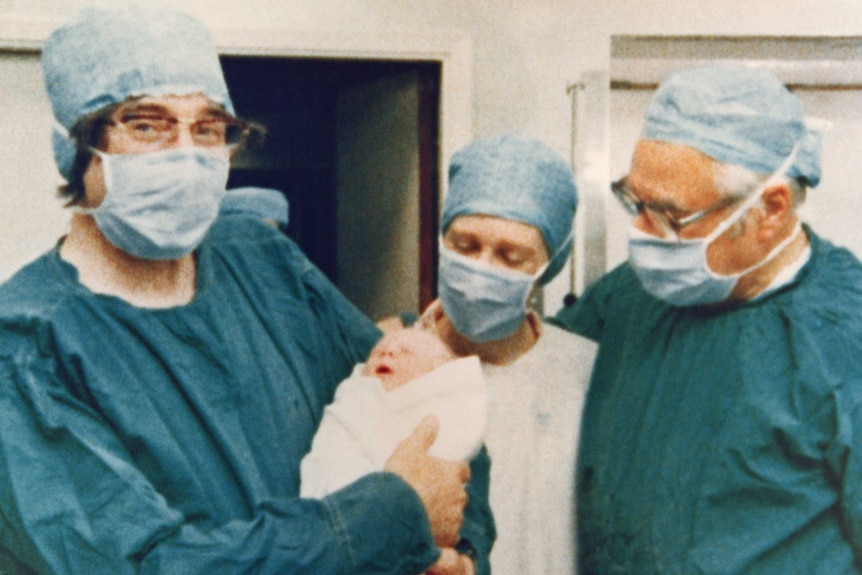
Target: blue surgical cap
(108, 54)
(516, 179)
(736, 115)
(264, 203)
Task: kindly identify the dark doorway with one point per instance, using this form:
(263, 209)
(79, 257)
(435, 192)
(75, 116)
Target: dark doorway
(303, 103)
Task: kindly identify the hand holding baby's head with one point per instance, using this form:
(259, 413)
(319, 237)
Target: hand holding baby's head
(405, 354)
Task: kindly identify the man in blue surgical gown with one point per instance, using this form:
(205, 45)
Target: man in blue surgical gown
(723, 425)
(163, 373)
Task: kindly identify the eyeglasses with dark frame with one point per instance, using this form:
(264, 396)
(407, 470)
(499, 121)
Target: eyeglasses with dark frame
(154, 129)
(669, 223)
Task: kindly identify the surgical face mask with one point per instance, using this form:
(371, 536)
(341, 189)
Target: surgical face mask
(484, 302)
(160, 205)
(677, 270)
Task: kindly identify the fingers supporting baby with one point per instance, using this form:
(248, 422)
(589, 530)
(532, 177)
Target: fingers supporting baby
(440, 484)
(452, 563)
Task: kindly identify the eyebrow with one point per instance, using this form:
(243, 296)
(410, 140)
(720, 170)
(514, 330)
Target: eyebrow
(658, 206)
(504, 243)
(213, 110)
(517, 249)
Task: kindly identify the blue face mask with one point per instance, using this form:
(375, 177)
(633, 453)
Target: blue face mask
(483, 302)
(677, 271)
(160, 205)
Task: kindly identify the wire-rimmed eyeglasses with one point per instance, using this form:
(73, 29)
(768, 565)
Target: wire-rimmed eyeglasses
(663, 219)
(153, 129)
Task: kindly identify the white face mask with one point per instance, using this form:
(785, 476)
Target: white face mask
(677, 271)
(160, 205)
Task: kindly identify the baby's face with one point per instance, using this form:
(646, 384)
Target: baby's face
(403, 355)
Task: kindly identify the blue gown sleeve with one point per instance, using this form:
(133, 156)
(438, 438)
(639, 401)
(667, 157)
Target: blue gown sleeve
(73, 502)
(827, 354)
(351, 334)
(478, 532)
(587, 316)
(353, 330)
(844, 457)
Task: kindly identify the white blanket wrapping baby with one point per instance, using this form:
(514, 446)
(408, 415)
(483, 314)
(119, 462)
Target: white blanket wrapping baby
(364, 423)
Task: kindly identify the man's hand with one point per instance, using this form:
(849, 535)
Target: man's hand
(439, 483)
(452, 563)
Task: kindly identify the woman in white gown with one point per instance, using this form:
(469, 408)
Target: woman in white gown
(507, 229)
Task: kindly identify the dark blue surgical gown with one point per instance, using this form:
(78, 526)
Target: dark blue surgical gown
(724, 441)
(168, 441)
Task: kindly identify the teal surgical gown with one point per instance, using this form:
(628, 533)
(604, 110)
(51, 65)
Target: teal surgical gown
(168, 441)
(724, 441)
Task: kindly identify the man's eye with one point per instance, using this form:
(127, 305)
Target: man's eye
(142, 126)
(213, 128)
(146, 124)
(464, 247)
(513, 258)
(521, 266)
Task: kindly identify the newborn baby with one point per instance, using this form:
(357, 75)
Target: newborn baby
(403, 355)
(409, 374)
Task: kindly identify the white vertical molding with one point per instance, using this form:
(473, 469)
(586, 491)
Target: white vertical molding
(590, 158)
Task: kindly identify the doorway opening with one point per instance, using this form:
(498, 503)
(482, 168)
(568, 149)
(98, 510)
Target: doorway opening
(354, 146)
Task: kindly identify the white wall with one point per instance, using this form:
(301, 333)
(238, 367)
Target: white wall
(525, 52)
(833, 208)
(31, 217)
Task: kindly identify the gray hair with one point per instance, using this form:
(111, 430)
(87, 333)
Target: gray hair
(731, 180)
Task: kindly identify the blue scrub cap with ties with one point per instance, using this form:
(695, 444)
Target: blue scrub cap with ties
(737, 115)
(263, 203)
(107, 54)
(516, 179)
